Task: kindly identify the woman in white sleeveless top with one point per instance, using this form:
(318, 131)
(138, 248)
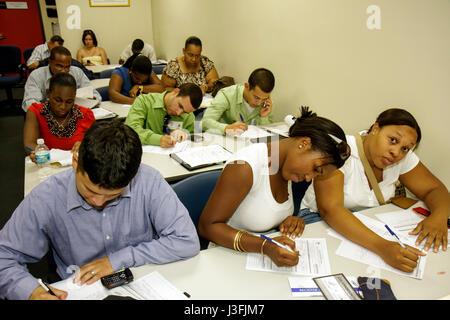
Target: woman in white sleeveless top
(388, 146)
(254, 192)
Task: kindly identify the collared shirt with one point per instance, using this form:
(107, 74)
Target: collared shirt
(146, 224)
(146, 117)
(39, 81)
(146, 51)
(226, 109)
(39, 53)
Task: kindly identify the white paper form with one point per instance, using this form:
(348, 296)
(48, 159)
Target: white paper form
(404, 221)
(351, 250)
(178, 147)
(254, 132)
(313, 260)
(152, 286)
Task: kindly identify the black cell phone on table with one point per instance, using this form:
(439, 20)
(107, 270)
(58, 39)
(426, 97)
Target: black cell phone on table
(117, 279)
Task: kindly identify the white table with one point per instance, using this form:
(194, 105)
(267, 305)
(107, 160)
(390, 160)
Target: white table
(169, 168)
(219, 273)
(100, 83)
(102, 67)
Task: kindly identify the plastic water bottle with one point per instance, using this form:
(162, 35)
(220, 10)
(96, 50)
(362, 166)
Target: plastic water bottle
(42, 154)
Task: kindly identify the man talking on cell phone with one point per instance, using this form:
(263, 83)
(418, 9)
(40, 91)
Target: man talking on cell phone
(110, 212)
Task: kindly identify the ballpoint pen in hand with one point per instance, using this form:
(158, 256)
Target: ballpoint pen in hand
(395, 236)
(46, 287)
(278, 244)
(242, 119)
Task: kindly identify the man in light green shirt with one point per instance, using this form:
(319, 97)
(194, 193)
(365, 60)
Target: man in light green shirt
(235, 107)
(161, 119)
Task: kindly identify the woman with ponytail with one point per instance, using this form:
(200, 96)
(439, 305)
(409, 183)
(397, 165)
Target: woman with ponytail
(254, 191)
(388, 146)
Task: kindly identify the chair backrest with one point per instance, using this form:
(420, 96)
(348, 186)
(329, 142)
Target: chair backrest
(11, 59)
(27, 54)
(194, 193)
(104, 93)
(298, 191)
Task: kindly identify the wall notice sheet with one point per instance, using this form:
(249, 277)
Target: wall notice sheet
(313, 259)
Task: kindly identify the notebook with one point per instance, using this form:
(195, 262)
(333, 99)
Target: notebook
(200, 157)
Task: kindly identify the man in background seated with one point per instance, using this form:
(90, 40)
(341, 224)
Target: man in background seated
(39, 80)
(237, 106)
(162, 119)
(75, 63)
(95, 221)
(138, 46)
(42, 51)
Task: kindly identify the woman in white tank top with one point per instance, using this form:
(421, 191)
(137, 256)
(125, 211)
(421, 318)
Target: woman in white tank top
(388, 147)
(254, 192)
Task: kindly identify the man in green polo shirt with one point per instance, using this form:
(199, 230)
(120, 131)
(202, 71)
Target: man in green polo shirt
(161, 119)
(237, 106)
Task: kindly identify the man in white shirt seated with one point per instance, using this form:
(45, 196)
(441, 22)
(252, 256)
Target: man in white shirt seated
(38, 82)
(138, 46)
(42, 51)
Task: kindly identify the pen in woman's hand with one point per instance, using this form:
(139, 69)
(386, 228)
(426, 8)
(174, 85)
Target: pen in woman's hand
(278, 244)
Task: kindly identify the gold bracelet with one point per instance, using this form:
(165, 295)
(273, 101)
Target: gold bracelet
(262, 247)
(237, 241)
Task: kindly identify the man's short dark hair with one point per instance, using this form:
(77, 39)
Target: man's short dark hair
(194, 41)
(193, 91)
(110, 153)
(137, 45)
(63, 79)
(141, 64)
(59, 50)
(57, 39)
(262, 78)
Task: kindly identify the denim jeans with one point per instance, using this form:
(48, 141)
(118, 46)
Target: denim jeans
(309, 216)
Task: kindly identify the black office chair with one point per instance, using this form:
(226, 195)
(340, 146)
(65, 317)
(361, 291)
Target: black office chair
(10, 72)
(194, 192)
(27, 54)
(298, 192)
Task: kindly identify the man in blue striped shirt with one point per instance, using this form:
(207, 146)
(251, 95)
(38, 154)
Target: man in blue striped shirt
(108, 213)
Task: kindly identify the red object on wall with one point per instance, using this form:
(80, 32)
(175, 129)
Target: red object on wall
(22, 27)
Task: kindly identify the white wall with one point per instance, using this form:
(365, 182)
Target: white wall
(324, 56)
(114, 27)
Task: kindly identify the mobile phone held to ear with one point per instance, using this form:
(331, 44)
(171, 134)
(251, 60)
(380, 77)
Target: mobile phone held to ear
(117, 279)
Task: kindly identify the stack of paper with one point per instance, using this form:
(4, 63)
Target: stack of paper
(100, 113)
(153, 286)
(60, 157)
(85, 97)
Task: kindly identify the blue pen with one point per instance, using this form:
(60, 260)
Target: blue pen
(29, 148)
(242, 119)
(396, 237)
(277, 243)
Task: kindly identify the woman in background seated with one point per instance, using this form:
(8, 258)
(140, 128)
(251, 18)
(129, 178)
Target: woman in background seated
(254, 190)
(91, 54)
(133, 78)
(60, 122)
(191, 67)
(388, 146)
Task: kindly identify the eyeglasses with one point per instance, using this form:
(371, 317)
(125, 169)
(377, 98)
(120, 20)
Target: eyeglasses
(166, 122)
